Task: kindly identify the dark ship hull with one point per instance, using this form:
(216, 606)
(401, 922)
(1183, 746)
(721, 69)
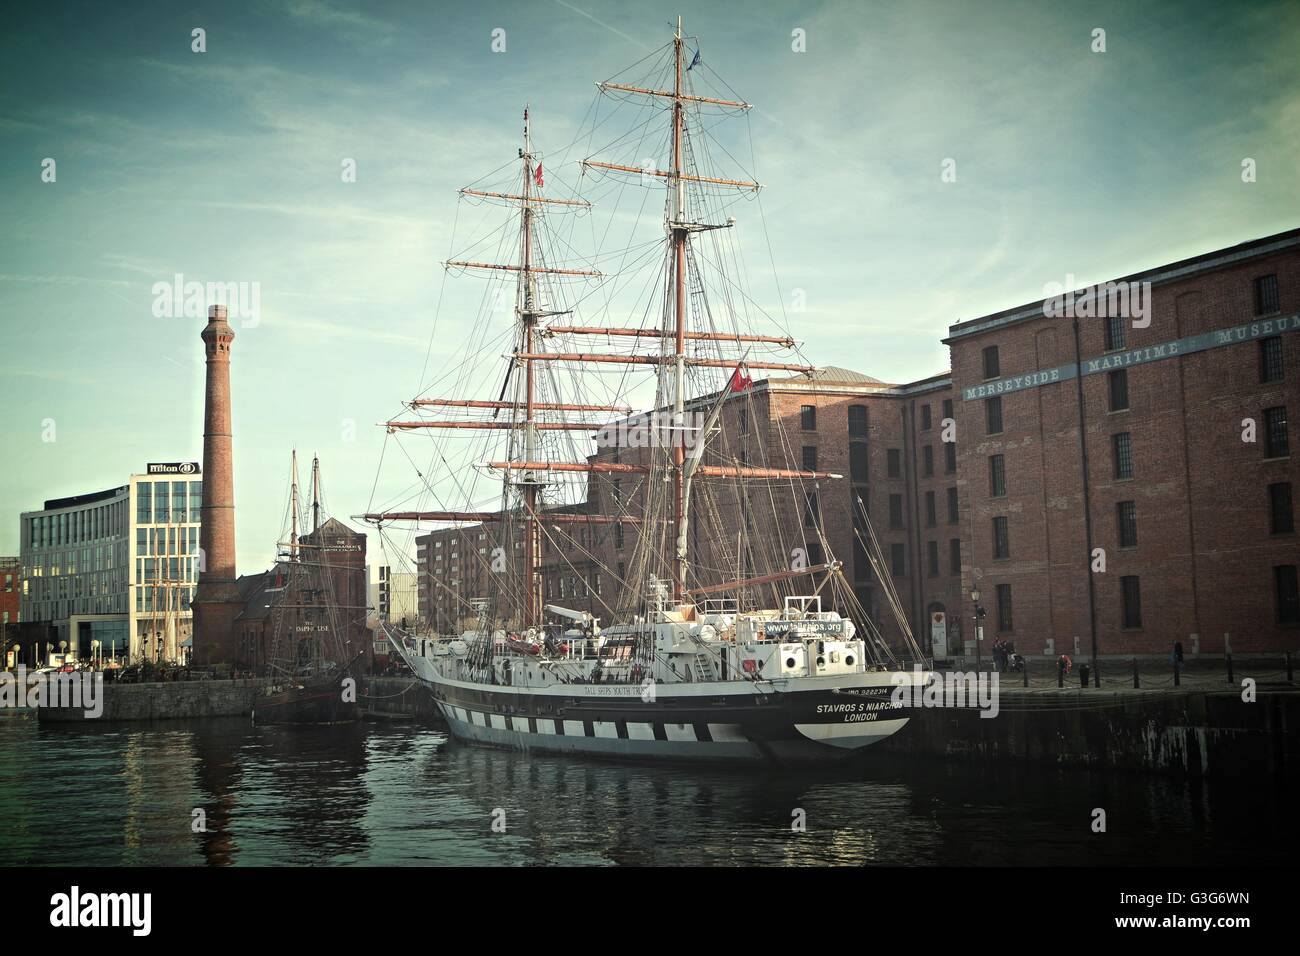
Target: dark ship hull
(308, 702)
(733, 721)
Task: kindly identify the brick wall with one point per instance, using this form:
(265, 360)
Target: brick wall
(1205, 555)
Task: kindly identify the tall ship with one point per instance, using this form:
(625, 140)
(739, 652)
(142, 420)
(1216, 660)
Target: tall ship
(310, 652)
(718, 625)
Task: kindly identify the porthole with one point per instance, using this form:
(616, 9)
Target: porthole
(821, 662)
(789, 662)
(848, 659)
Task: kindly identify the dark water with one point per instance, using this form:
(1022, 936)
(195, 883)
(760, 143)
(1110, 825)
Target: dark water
(386, 794)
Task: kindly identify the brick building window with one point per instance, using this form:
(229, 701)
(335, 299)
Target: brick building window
(811, 515)
(954, 557)
(927, 460)
(952, 505)
(1122, 445)
(898, 560)
(1114, 333)
(930, 519)
(947, 408)
(1131, 594)
(618, 540)
(815, 555)
(858, 461)
(895, 463)
(925, 418)
(808, 418)
(992, 367)
(1270, 359)
(1126, 512)
(858, 421)
(809, 457)
(1005, 622)
(1001, 538)
(997, 476)
(932, 550)
(1118, 381)
(1288, 594)
(743, 417)
(950, 457)
(895, 511)
(1281, 519)
(993, 415)
(1276, 441)
(1266, 301)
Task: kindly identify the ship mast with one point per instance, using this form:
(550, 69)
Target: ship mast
(677, 225)
(315, 493)
(527, 460)
(293, 508)
(520, 473)
(528, 319)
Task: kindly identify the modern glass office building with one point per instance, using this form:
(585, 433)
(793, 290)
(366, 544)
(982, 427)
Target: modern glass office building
(114, 571)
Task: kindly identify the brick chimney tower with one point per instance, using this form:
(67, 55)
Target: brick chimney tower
(216, 601)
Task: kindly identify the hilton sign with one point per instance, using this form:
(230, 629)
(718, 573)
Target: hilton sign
(173, 468)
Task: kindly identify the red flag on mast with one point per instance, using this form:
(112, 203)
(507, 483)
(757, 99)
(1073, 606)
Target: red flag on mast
(538, 177)
(740, 381)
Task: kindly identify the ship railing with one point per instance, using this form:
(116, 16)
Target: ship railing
(799, 606)
(721, 606)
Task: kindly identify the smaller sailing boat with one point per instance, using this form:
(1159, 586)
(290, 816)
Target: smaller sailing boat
(312, 658)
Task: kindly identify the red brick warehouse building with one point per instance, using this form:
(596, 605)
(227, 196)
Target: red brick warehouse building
(11, 586)
(1184, 482)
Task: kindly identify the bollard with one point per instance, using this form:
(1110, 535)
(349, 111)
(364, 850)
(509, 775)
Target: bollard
(1230, 680)
(1060, 673)
(1084, 670)
(1096, 672)
(1024, 670)
(1137, 681)
(1177, 675)
(1289, 677)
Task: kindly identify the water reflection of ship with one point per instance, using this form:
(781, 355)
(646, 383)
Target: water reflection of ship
(311, 642)
(570, 812)
(315, 809)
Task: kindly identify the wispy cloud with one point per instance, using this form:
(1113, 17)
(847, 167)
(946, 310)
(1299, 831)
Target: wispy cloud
(345, 22)
(62, 280)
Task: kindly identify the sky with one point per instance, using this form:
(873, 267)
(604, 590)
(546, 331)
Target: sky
(225, 166)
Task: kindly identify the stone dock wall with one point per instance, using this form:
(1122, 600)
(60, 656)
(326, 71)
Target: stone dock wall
(1193, 732)
(169, 701)
(381, 697)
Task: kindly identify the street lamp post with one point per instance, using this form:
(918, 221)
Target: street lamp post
(979, 628)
